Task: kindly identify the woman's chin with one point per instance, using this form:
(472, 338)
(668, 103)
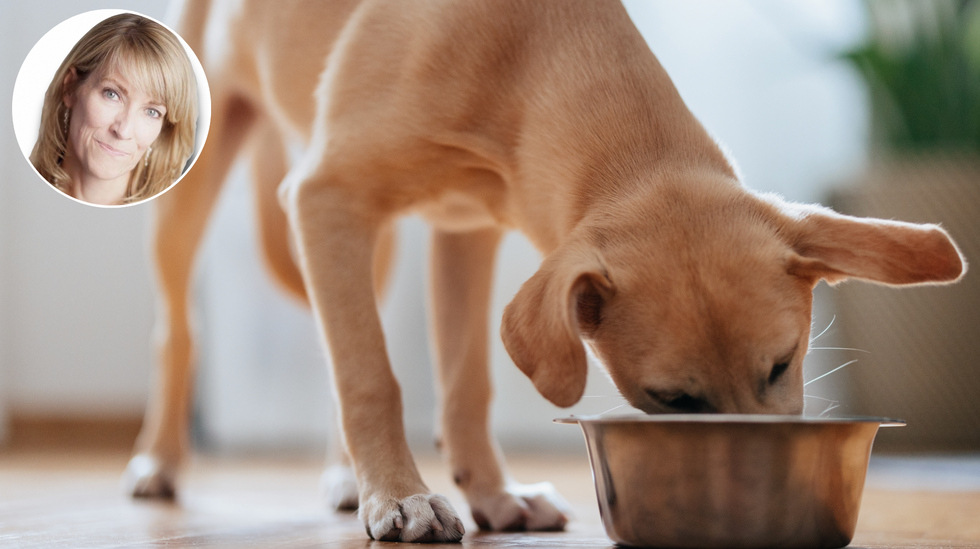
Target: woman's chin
(110, 173)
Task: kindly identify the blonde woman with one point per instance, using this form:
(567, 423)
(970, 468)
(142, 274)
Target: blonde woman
(118, 121)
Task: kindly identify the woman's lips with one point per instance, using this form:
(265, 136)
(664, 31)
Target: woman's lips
(111, 150)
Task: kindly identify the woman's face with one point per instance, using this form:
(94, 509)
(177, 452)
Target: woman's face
(112, 125)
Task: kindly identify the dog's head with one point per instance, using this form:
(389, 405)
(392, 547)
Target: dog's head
(700, 301)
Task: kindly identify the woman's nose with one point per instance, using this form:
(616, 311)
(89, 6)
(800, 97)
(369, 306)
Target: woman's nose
(122, 125)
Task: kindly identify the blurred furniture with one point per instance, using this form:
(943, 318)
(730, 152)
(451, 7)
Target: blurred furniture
(921, 64)
(923, 343)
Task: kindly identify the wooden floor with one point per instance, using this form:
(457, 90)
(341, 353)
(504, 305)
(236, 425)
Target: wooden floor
(56, 499)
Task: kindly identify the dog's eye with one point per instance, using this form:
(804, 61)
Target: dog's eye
(778, 370)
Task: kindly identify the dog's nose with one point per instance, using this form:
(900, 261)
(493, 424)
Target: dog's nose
(681, 402)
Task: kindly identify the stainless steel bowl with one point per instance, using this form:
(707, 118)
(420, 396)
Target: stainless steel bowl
(729, 480)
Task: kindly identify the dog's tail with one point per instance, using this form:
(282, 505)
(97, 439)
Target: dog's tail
(189, 18)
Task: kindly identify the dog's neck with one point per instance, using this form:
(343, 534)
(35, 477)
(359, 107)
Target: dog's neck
(597, 131)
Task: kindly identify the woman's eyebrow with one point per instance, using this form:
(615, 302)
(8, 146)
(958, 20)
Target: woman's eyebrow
(116, 83)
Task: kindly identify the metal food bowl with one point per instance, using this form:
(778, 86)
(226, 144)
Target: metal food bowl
(729, 480)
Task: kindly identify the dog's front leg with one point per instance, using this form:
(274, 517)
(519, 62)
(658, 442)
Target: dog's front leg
(461, 283)
(336, 233)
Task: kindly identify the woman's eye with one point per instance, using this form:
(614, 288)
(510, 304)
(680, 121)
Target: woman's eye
(154, 113)
(109, 93)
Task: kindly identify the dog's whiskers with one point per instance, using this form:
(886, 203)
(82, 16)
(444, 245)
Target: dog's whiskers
(829, 409)
(820, 398)
(838, 349)
(812, 339)
(830, 372)
(611, 409)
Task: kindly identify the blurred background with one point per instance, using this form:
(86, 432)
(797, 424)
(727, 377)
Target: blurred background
(833, 101)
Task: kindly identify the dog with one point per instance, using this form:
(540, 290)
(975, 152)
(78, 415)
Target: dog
(551, 117)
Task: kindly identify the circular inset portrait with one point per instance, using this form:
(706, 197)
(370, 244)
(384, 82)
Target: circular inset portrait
(111, 108)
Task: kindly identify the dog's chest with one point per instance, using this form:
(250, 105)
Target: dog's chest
(457, 211)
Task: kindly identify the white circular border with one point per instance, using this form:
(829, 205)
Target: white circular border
(43, 61)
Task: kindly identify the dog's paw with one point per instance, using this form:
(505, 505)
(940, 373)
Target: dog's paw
(339, 488)
(148, 477)
(522, 507)
(418, 518)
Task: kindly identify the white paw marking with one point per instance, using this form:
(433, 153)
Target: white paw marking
(522, 507)
(147, 477)
(339, 488)
(418, 518)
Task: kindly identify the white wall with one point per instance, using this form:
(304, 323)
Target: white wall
(761, 77)
(7, 62)
(75, 303)
(75, 298)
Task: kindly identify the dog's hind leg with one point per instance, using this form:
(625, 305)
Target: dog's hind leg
(269, 167)
(181, 218)
(461, 283)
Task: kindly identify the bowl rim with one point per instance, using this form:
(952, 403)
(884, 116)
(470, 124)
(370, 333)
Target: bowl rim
(726, 418)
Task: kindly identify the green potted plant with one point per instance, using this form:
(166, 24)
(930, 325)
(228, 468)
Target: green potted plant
(921, 64)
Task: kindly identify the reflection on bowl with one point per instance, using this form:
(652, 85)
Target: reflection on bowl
(729, 480)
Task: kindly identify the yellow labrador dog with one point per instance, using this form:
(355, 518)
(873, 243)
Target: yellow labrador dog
(551, 117)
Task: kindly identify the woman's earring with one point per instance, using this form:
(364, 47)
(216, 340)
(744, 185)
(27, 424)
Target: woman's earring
(65, 119)
(146, 157)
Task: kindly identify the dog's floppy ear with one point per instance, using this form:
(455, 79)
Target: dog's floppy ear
(543, 325)
(834, 247)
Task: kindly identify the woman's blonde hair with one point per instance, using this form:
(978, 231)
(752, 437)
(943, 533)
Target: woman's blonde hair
(155, 61)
